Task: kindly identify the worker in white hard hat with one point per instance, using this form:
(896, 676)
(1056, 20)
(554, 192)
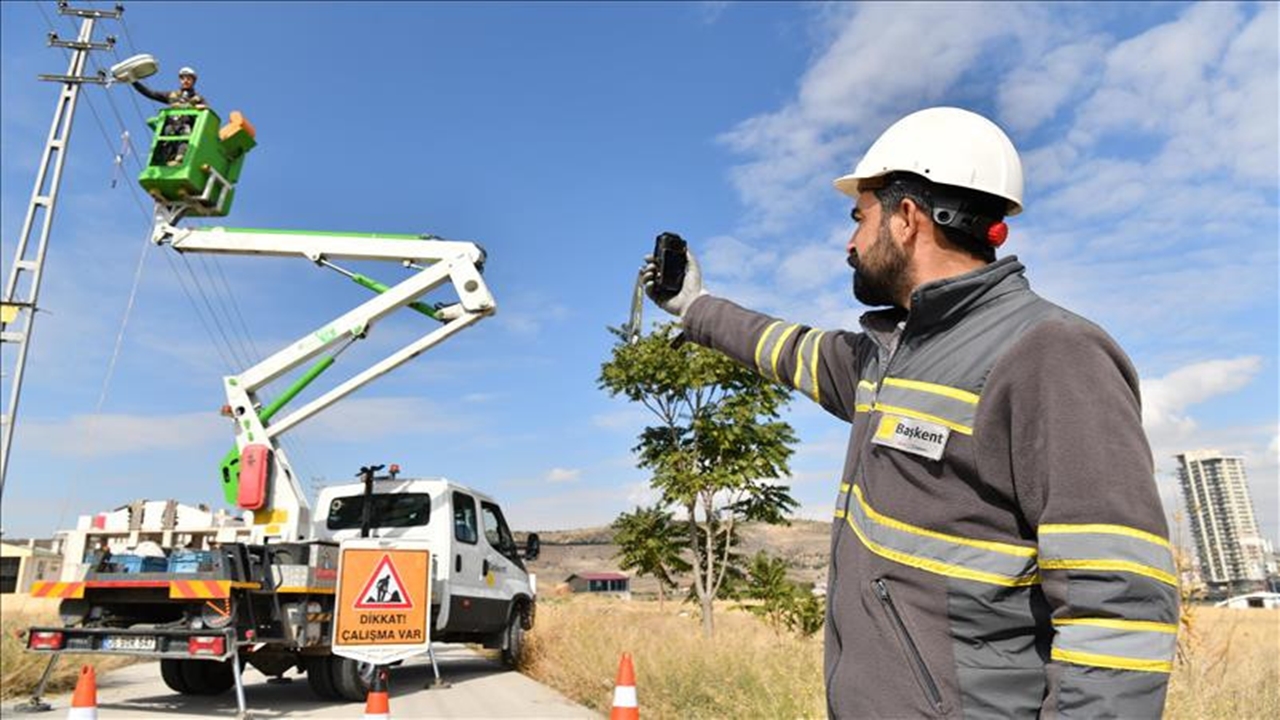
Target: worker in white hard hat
(185, 96)
(999, 548)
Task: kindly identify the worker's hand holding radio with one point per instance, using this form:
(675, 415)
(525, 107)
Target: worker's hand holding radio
(671, 275)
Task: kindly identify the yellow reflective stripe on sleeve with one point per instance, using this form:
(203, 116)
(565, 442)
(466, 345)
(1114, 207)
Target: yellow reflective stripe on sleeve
(862, 407)
(1112, 565)
(962, 429)
(777, 350)
(944, 390)
(1004, 548)
(1062, 528)
(1116, 624)
(839, 513)
(760, 343)
(1111, 661)
(844, 487)
(867, 384)
(813, 365)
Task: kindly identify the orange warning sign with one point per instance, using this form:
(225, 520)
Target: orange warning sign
(383, 597)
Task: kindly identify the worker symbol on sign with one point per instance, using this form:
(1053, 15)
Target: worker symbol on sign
(384, 590)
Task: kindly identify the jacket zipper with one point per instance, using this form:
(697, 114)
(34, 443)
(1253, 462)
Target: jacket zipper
(913, 653)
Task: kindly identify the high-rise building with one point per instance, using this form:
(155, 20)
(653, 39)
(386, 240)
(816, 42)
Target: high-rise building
(1230, 548)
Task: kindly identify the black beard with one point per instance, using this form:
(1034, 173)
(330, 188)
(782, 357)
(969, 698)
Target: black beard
(879, 283)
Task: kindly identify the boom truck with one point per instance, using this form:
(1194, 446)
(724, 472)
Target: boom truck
(204, 597)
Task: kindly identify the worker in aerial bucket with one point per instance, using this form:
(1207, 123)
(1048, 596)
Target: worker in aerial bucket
(185, 96)
(999, 547)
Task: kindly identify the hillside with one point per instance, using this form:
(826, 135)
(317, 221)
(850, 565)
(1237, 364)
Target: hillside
(803, 544)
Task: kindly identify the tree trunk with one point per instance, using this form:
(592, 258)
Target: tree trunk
(662, 604)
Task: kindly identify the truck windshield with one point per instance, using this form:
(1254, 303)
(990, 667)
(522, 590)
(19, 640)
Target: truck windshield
(390, 510)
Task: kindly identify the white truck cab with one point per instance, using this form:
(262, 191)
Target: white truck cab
(481, 590)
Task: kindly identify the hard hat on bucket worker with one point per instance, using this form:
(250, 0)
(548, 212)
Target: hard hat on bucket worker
(945, 145)
(187, 71)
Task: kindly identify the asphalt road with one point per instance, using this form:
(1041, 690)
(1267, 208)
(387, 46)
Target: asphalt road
(478, 688)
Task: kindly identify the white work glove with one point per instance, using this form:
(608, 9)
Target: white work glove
(690, 290)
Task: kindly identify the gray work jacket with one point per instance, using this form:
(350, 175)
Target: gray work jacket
(999, 548)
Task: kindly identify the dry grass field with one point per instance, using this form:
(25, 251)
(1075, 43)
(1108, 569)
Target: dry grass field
(1229, 667)
(20, 670)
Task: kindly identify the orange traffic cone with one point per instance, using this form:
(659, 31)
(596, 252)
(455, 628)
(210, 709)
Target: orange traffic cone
(377, 705)
(625, 706)
(84, 704)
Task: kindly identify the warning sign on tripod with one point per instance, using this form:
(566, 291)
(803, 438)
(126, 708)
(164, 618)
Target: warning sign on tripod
(382, 613)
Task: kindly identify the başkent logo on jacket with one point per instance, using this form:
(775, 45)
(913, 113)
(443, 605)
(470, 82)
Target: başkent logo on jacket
(917, 437)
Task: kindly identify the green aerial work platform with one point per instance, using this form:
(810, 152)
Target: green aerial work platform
(194, 160)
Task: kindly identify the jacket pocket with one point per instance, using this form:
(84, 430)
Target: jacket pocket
(914, 658)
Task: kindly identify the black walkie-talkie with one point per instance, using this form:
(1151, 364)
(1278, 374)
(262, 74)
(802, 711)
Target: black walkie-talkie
(670, 254)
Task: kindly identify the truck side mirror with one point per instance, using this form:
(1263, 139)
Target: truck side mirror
(532, 547)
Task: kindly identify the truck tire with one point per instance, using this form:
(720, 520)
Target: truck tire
(208, 677)
(171, 672)
(351, 678)
(513, 639)
(320, 677)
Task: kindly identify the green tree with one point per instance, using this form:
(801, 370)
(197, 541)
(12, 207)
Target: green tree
(650, 543)
(780, 601)
(717, 443)
(767, 584)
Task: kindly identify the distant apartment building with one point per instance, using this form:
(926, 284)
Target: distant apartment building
(1230, 549)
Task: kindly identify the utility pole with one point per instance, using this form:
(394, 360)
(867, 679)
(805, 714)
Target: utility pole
(21, 291)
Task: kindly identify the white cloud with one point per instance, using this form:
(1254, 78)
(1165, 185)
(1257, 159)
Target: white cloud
(853, 89)
(1166, 399)
(1033, 94)
(563, 475)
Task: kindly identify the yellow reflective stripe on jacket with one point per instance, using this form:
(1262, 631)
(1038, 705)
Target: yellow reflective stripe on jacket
(1111, 661)
(1101, 547)
(1109, 565)
(761, 343)
(806, 376)
(1060, 528)
(898, 410)
(864, 396)
(777, 350)
(1143, 625)
(940, 553)
(1114, 643)
(942, 404)
(946, 391)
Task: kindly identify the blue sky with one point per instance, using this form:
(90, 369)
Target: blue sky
(563, 137)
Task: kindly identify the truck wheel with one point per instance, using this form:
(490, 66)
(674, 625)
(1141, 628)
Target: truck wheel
(351, 678)
(513, 640)
(171, 672)
(208, 677)
(320, 677)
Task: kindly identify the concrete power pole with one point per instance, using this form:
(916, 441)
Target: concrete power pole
(21, 291)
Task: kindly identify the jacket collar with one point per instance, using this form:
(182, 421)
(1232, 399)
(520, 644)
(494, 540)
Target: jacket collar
(941, 302)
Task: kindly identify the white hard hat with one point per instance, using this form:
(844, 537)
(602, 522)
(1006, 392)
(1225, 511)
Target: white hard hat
(188, 71)
(945, 145)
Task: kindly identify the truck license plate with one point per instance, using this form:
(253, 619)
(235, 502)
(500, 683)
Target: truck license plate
(129, 642)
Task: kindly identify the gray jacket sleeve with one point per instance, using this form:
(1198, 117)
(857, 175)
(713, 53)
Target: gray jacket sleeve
(821, 364)
(1063, 417)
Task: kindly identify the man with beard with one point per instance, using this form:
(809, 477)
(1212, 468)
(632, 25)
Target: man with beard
(999, 548)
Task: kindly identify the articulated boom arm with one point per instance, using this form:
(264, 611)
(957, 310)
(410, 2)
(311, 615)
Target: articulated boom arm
(285, 513)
